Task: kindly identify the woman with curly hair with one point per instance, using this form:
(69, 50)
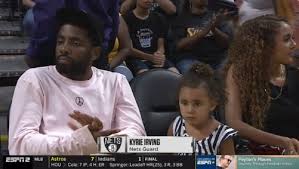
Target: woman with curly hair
(258, 104)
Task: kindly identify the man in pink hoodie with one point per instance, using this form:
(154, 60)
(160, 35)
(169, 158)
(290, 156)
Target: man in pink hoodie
(62, 109)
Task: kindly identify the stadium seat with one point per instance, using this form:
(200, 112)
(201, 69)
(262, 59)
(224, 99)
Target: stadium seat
(156, 95)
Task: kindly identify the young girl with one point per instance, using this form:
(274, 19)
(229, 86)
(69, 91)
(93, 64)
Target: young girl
(200, 93)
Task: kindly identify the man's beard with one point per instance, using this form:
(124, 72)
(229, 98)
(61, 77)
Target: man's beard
(72, 69)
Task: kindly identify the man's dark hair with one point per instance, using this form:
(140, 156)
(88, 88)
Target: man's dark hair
(81, 19)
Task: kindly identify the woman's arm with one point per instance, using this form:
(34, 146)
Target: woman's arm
(28, 3)
(189, 42)
(222, 39)
(125, 44)
(167, 6)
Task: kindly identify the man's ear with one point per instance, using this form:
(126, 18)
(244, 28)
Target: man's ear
(95, 53)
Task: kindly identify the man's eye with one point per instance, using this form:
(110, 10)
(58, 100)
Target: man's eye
(59, 41)
(197, 104)
(76, 43)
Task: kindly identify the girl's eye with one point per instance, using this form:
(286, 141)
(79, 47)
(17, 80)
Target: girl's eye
(183, 102)
(197, 104)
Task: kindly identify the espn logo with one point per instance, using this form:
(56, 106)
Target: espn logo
(17, 160)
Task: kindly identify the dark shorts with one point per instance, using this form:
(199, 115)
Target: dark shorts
(136, 65)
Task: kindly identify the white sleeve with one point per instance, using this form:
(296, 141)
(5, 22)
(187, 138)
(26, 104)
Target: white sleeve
(126, 112)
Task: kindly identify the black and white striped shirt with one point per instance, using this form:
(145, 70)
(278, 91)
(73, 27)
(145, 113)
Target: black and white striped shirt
(209, 145)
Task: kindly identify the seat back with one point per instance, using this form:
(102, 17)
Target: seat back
(156, 94)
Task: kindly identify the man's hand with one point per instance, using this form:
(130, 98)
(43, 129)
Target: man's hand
(221, 15)
(95, 125)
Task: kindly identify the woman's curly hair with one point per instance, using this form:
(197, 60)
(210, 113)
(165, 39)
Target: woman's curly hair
(251, 56)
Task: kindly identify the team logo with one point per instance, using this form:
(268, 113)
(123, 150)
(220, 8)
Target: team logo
(79, 101)
(112, 144)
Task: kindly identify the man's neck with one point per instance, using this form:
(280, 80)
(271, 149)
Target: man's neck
(141, 12)
(77, 77)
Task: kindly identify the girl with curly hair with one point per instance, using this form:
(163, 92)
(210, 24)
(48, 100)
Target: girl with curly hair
(201, 93)
(256, 77)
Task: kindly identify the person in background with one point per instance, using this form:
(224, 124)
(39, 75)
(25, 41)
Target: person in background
(250, 9)
(42, 42)
(168, 10)
(201, 36)
(201, 93)
(147, 32)
(167, 7)
(257, 81)
(62, 109)
(238, 3)
(28, 21)
(122, 49)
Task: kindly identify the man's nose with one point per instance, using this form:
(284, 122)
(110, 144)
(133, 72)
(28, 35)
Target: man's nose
(65, 49)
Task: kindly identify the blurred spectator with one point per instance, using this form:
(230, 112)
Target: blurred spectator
(238, 3)
(200, 36)
(28, 21)
(167, 7)
(42, 44)
(122, 48)
(258, 85)
(168, 10)
(147, 32)
(254, 8)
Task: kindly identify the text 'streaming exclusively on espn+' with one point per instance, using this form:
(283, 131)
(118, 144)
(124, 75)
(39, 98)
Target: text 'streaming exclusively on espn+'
(147, 144)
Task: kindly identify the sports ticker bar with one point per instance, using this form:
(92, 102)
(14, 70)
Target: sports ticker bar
(149, 161)
(174, 161)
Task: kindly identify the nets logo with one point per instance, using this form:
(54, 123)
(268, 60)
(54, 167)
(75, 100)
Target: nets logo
(112, 144)
(17, 160)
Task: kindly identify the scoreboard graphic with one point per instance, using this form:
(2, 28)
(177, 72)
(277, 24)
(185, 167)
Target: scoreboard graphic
(147, 161)
(148, 153)
(101, 161)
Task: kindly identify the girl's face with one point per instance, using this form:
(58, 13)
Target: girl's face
(284, 45)
(196, 105)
